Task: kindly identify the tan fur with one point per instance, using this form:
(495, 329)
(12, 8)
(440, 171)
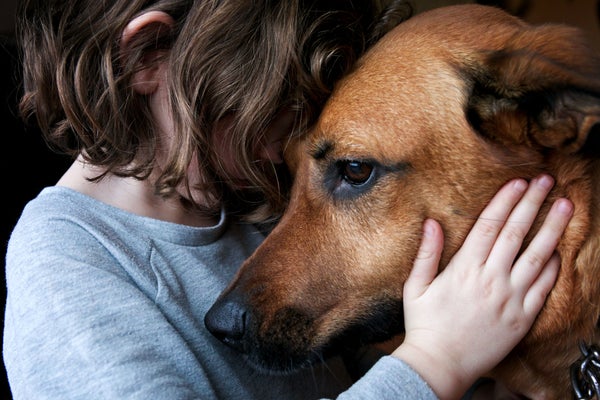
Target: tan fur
(334, 256)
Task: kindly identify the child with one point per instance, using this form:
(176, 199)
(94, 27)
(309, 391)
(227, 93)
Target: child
(177, 112)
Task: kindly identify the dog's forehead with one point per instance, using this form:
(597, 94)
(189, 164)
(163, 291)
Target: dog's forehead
(411, 84)
(390, 104)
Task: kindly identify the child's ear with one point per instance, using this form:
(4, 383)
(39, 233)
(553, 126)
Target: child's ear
(146, 80)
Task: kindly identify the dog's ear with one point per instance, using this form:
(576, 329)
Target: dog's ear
(542, 89)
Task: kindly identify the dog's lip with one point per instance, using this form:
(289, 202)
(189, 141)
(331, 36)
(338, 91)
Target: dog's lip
(351, 338)
(336, 347)
(259, 366)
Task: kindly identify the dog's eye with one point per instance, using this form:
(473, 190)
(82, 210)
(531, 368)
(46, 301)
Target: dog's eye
(355, 172)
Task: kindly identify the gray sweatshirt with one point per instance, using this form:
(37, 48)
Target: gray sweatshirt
(105, 304)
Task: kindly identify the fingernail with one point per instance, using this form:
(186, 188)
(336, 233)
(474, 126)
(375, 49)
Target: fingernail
(520, 185)
(428, 228)
(564, 206)
(545, 181)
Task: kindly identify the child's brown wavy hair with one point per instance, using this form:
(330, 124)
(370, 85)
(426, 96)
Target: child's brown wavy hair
(246, 60)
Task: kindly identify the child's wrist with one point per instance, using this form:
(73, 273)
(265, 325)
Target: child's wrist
(446, 378)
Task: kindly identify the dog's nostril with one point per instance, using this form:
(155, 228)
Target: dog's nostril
(226, 320)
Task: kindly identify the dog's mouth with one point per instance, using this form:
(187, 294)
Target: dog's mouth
(288, 344)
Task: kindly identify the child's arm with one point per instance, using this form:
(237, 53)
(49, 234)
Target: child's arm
(462, 323)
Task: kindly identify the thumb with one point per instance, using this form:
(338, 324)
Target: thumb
(427, 262)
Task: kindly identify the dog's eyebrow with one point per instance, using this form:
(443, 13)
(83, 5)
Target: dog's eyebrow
(321, 149)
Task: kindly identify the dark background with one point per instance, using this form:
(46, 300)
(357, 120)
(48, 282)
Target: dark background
(28, 165)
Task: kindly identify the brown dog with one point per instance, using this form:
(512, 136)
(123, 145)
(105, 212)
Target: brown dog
(435, 118)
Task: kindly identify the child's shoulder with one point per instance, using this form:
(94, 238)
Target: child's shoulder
(56, 203)
(58, 217)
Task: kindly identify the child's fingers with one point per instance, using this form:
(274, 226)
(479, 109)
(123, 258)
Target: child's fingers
(542, 246)
(426, 264)
(484, 233)
(535, 297)
(518, 224)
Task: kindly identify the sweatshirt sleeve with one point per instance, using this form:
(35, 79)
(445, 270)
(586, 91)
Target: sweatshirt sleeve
(389, 378)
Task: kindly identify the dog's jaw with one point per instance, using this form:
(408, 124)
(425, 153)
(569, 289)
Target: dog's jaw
(291, 339)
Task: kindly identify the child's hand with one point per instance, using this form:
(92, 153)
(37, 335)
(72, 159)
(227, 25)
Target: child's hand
(462, 323)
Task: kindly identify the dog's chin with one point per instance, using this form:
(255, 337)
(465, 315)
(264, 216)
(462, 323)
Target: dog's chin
(283, 367)
(382, 323)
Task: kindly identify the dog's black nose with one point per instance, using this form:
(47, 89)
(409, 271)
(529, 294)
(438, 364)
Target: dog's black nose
(227, 320)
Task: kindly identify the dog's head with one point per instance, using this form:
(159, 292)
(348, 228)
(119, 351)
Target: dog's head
(435, 118)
